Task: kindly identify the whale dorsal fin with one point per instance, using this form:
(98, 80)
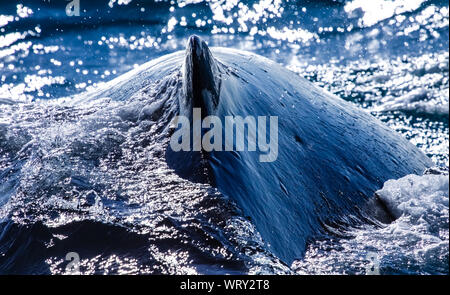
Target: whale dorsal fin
(201, 79)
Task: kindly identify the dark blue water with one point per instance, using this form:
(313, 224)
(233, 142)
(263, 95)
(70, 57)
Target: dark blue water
(71, 181)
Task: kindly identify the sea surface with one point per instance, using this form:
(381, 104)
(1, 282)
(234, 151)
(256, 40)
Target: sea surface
(89, 183)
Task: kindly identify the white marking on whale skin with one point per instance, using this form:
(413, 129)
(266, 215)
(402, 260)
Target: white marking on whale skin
(332, 156)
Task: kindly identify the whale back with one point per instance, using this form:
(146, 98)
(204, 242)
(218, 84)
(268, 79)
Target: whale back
(332, 156)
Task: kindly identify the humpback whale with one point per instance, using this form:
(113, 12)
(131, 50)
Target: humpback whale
(332, 155)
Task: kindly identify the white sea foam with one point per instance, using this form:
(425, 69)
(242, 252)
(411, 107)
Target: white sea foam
(420, 198)
(416, 242)
(378, 10)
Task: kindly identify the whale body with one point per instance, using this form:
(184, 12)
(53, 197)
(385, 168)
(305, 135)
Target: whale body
(332, 155)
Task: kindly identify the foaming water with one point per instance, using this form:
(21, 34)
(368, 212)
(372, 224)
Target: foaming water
(91, 176)
(415, 243)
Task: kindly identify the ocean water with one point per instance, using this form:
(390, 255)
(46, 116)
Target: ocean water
(91, 178)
